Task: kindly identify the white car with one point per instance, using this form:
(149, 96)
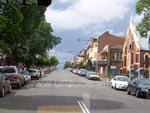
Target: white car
(120, 82)
(92, 75)
(34, 73)
(26, 76)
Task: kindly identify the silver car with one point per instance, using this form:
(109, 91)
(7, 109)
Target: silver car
(93, 75)
(14, 75)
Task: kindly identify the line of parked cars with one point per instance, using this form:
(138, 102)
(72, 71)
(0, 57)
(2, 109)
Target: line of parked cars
(11, 76)
(91, 75)
(140, 87)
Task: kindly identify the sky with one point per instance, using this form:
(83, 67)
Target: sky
(84, 19)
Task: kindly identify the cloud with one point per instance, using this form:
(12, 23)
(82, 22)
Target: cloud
(62, 56)
(87, 13)
(138, 19)
(120, 33)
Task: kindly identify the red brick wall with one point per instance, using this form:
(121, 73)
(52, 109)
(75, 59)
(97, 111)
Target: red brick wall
(109, 39)
(142, 53)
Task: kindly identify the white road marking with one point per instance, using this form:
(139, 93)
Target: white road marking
(83, 107)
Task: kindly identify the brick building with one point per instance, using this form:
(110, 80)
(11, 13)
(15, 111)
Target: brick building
(109, 54)
(136, 53)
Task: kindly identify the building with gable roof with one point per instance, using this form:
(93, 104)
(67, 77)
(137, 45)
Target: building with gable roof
(109, 54)
(136, 53)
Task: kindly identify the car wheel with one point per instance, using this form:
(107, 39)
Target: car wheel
(112, 86)
(37, 78)
(19, 86)
(137, 93)
(9, 91)
(23, 84)
(116, 87)
(2, 93)
(128, 91)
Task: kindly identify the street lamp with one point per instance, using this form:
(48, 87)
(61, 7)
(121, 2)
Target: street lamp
(79, 39)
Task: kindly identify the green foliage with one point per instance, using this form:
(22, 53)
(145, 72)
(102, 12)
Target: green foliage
(39, 61)
(81, 65)
(54, 61)
(43, 61)
(88, 65)
(143, 8)
(67, 64)
(24, 33)
(47, 62)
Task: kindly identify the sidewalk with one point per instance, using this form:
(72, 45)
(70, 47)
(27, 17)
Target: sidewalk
(106, 81)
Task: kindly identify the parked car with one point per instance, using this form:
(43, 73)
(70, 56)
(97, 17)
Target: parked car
(34, 73)
(140, 87)
(93, 75)
(75, 71)
(69, 69)
(5, 85)
(14, 75)
(26, 76)
(83, 72)
(120, 82)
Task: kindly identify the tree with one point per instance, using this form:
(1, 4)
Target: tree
(67, 64)
(53, 61)
(81, 65)
(42, 39)
(24, 33)
(143, 8)
(88, 65)
(28, 2)
(46, 62)
(39, 61)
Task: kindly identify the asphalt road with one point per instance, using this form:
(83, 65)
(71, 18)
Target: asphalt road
(63, 92)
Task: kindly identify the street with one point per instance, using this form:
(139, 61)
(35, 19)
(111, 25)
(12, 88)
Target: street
(62, 92)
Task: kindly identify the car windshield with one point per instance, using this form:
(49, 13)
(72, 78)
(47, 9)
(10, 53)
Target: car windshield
(122, 79)
(8, 70)
(93, 73)
(32, 71)
(144, 81)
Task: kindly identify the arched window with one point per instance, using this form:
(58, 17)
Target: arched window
(146, 61)
(146, 64)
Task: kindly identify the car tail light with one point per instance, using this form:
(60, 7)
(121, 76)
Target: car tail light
(16, 77)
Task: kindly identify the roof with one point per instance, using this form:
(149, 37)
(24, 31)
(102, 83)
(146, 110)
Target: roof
(135, 33)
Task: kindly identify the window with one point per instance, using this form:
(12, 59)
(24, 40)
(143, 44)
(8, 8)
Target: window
(112, 56)
(118, 56)
(96, 44)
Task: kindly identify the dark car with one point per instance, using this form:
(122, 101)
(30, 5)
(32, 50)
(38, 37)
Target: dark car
(83, 72)
(5, 85)
(140, 87)
(14, 75)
